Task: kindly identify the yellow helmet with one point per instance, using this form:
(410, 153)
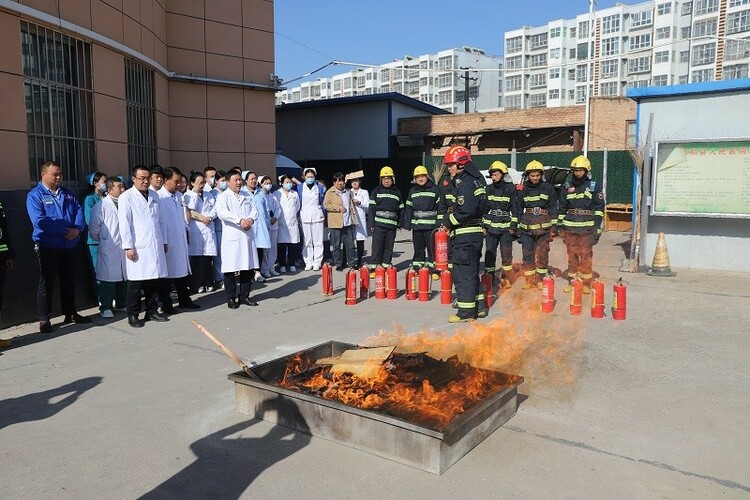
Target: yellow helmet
(420, 170)
(497, 165)
(386, 172)
(581, 162)
(534, 165)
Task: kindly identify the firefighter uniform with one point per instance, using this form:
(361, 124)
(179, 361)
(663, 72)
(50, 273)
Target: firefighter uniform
(445, 208)
(536, 206)
(500, 223)
(386, 209)
(421, 217)
(580, 220)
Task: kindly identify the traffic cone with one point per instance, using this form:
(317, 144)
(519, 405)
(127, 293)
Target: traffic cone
(660, 264)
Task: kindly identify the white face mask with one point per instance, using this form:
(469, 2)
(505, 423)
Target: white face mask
(267, 187)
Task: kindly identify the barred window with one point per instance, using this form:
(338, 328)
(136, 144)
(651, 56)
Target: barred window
(141, 112)
(59, 112)
(704, 54)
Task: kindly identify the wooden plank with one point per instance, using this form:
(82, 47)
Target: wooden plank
(363, 362)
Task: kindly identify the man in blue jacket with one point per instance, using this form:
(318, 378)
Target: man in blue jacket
(57, 218)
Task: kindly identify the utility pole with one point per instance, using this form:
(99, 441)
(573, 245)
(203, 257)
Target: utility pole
(589, 79)
(466, 88)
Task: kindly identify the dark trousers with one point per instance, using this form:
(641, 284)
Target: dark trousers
(505, 240)
(53, 263)
(580, 254)
(287, 254)
(423, 241)
(535, 249)
(203, 272)
(3, 271)
(343, 236)
(382, 245)
(165, 291)
(360, 252)
(466, 257)
(150, 290)
(237, 284)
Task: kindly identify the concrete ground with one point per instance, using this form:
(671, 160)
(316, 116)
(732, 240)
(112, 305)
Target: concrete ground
(654, 406)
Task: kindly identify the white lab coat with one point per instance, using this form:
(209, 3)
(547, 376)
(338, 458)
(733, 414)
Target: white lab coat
(140, 229)
(238, 250)
(174, 232)
(202, 236)
(104, 227)
(364, 198)
(288, 221)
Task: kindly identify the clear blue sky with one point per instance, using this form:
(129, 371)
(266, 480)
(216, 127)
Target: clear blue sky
(380, 31)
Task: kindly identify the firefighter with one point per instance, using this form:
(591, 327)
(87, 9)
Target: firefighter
(386, 210)
(421, 217)
(465, 225)
(580, 221)
(500, 223)
(445, 206)
(536, 207)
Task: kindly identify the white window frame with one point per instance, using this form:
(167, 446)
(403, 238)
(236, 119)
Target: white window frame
(704, 54)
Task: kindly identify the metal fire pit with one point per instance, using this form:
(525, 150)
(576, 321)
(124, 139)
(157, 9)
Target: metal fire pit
(366, 430)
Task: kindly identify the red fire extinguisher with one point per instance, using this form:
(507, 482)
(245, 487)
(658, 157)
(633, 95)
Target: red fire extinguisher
(364, 282)
(576, 297)
(441, 250)
(380, 282)
(351, 288)
(446, 287)
(424, 284)
(327, 271)
(487, 287)
(548, 294)
(597, 299)
(391, 283)
(619, 307)
(411, 284)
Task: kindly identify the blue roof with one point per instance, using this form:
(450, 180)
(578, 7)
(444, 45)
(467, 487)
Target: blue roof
(689, 88)
(389, 96)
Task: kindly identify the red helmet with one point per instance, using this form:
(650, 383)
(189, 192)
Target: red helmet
(457, 154)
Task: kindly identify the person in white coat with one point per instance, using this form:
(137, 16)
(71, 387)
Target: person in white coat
(311, 195)
(288, 237)
(221, 186)
(172, 216)
(104, 228)
(260, 228)
(201, 207)
(362, 203)
(268, 266)
(238, 214)
(140, 231)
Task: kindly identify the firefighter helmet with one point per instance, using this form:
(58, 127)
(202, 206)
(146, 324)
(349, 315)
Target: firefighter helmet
(498, 166)
(581, 162)
(534, 165)
(386, 172)
(420, 170)
(457, 154)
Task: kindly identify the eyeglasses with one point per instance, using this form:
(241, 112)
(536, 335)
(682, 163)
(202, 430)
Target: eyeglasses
(142, 179)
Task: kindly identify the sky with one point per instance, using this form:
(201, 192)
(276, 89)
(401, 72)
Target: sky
(310, 34)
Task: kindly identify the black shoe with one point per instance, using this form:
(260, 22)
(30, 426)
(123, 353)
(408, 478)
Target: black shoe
(134, 321)
(339, 268)
(248, 302)
(169, 310)
(45, 327)
(76, 318)
(158, 317)
(233, 304)
(189, 305)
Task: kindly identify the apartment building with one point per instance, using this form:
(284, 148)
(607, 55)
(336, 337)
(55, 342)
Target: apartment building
(437, 79)
(651, 43)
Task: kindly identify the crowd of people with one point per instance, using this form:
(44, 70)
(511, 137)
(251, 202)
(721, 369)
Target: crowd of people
(172, 236)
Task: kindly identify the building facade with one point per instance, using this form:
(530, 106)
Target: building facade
(437, 79)
(652, 43)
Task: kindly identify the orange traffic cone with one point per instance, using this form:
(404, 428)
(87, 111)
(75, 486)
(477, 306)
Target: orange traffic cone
(660, 264)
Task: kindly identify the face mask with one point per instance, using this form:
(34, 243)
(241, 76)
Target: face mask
(288, 186)
(310, 181)
(267, 187)
(223, 185)
(211, 181)
(103, 188)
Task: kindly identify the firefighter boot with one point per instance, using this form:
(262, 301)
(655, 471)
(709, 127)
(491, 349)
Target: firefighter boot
(458, 319)
(528, 283)
(505, 280)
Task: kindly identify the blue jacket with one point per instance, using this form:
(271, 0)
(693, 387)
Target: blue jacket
(321, 195)
(52, 215)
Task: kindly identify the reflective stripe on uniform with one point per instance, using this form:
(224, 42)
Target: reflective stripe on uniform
(424, 194)
(466, 305)
(390, 222)
(571, 223)
(466, 230)
(388, 195)
(492, 197)
(501, 225)
(541, 271)
(479, 191)
(539, 197)
(507, 268)
(535, 226)
(578, 196)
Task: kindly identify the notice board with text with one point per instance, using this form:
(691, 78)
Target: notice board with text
(702, 178)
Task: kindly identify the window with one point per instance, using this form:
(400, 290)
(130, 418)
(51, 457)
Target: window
(705, 7)
(513, 102)
(554, 94)
(580, 95)
(537, 100)
(611, 24)
(445, 80)
(360, 81)
(537, 80)
(385, 75)
(295, 96)
(738, 21)
(705, 28)
(735, 72)
(538, 41)
(702, 75)
(661, 57)
(661, 80)
(347, 83)
(337, 85)
(642, 18)
(572, 53)
(640, 41)
(572, 32)
(554, 73)
(663, 33)
(314, 92)
(638, 83)
(639, 65)
(397, 87)
(397, 74)
(513, 83)
(581, 73)
(57, 87)
(571, 74)
(684, 56)
(610, 46)
(609, 68)
(515, 62)
(423, 81)
(571, 94)
(445, 62)
(685, 33)
(736, 49)
(608, 89)
(555, 32)
(704, 54)
(630, 134)
(537, 60)
(423, 65)
(682, 79)
(582, 51)
(445, 97)
(687, 8)
(583, 29)
(737, 3)
(412, 88)
(514, 44)
(141, 113)
(305, 92)
(554, 53)
(663, 8)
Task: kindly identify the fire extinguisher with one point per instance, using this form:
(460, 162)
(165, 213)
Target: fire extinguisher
(548, 294)
(597, 299)
(364, 282)
(576, 297)
(351, 288)
(391, 283)
(487, 287)
(380, 282)
(446, 287)
(424, 284)
(327, 271)
(411, 284)
(441, 250)
(619, 307)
